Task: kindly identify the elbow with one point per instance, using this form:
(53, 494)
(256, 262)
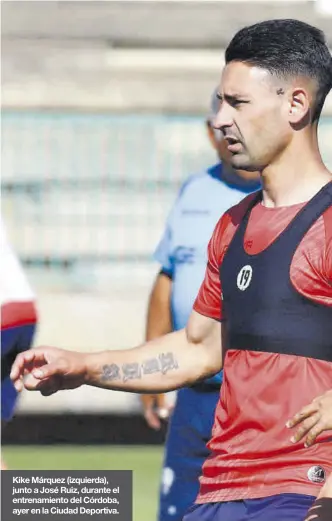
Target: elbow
(205, 364)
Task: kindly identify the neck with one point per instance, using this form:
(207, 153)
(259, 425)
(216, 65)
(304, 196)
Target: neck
(248, 176)
(296, 175)
(245, 176)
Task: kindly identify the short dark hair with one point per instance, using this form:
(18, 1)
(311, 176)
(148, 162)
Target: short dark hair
(286, 48)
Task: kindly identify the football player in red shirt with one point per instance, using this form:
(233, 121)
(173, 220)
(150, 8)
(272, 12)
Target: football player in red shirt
(264, 310)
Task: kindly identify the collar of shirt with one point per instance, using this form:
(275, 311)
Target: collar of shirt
(232, 179)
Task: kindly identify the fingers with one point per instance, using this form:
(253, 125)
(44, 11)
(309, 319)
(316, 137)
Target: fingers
(310, 429)
(312, 420)
(306, 427)
(147, 400)
(19, 363)
(31, 368)
(314, 432)
(163, 408)
(46, 386)
(152, 419)
(311, 517)
(155, 410)
(305, 412)
(326, 490)
(48, 370)
(163, 413)
(160, 400)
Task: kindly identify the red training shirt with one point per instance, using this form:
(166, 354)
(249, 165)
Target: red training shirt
(251, 452)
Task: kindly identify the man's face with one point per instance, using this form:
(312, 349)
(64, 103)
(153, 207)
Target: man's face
(253, 116)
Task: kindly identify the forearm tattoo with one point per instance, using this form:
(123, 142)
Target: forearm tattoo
(164, 363)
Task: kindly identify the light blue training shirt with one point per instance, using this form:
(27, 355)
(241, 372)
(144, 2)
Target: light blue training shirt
(182, 251)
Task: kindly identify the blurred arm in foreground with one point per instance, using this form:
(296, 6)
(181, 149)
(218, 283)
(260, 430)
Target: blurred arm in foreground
(167, 363)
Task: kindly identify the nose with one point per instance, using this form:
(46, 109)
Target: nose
(223, 118)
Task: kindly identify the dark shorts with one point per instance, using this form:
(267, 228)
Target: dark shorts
(283, 507)
(188, 433)
(13, 341)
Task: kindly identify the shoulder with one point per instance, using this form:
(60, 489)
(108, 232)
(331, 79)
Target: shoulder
(194, 182)
(190, 192)
(227, 226)
(236, 212)
(233, 216)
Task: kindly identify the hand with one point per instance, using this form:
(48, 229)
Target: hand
(48, 370)
(313, 419)
(155, 409)
(325, 492)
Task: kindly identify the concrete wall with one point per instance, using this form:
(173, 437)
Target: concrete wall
(175, 24)
(125, 56)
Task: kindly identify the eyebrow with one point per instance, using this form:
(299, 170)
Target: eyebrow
(232, 97)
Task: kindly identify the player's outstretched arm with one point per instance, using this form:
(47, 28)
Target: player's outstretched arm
(164, 364)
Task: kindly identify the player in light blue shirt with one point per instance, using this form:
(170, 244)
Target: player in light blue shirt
(182, 254)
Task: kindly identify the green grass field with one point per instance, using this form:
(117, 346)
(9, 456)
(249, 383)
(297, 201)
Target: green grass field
(144, 461)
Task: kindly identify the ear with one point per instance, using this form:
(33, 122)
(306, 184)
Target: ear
(299, 106)
(211, 134)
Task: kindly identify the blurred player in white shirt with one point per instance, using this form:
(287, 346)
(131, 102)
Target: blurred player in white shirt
(18, 321)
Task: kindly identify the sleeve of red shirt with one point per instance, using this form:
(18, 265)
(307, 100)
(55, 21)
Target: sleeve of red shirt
(208, 301)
